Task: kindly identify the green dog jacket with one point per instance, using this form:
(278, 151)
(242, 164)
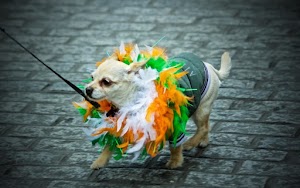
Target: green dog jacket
(196, 82)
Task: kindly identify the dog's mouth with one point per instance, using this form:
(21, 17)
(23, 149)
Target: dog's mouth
(113, 110)
(95, 99)
(89, 94)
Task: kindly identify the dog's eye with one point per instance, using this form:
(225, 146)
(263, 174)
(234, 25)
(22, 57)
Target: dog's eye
(92, 77)
(105, 82)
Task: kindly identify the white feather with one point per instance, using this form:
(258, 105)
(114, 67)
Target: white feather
(88, 132)
(125, 129)
(122, 48)
(136, 155)
(121, 119)
(81, 104)
(135, 53)
(149, 49)
(136, 49)
(94, 125)
(138, 146)
(93, 122)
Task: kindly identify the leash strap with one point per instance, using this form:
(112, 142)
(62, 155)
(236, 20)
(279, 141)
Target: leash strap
(75, 88)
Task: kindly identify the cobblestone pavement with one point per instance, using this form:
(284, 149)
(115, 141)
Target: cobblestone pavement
(254, 140)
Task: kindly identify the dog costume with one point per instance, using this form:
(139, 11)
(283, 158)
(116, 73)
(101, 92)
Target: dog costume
(197, 79)
(167, 95)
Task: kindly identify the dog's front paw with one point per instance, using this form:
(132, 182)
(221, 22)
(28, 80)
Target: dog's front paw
(99, 163)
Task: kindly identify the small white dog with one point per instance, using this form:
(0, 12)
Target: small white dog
(114, 83)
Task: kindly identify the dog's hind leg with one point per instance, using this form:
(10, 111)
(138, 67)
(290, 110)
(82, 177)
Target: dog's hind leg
(201, 119)
(201, 116)
(102, 159)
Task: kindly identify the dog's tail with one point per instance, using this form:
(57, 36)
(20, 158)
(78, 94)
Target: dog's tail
(224, 71)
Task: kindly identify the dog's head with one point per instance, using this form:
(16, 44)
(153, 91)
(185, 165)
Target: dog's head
(113, 80)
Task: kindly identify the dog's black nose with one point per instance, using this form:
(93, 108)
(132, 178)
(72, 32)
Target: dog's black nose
(89, 91)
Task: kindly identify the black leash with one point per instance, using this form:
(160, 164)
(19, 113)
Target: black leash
(79, 91)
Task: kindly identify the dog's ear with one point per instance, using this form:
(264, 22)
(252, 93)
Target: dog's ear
(112, 57)
(136, 66)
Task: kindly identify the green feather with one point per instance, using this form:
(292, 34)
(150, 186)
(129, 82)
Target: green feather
(112, 142)
(141, 57)
(143, 154)
(175, 64)
(118, 151)
(81, 111)
(96, 140)
(127, 60)
(80, 86)
(161, 146)
(87, 80)
(95, 114)
(157, 63)
(179, 122)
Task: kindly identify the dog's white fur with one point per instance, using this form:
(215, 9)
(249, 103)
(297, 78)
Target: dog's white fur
(113, 81)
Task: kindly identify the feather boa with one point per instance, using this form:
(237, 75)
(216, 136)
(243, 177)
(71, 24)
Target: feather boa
(157, 111)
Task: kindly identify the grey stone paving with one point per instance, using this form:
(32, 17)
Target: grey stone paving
(255, 122)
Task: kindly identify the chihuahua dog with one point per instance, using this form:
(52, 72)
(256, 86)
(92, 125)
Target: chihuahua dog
(115, 83)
